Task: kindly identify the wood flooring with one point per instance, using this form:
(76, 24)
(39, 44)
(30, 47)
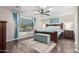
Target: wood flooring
(63, 46)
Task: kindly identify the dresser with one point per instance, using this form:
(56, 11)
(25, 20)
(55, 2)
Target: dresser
(69, 34)
(2, 36)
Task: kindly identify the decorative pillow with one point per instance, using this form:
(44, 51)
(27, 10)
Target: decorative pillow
(53, 27)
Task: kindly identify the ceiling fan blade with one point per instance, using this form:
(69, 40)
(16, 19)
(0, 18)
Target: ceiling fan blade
(35, 14)
(47, 14)
(50, 9)
(47, 11)
(37, 11)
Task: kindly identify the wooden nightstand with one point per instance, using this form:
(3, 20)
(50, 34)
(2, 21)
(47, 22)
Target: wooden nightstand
(68, 34)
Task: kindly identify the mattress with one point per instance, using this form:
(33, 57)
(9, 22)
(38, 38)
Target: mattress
(59, 31)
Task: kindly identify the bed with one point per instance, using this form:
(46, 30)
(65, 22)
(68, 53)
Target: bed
(54, 33)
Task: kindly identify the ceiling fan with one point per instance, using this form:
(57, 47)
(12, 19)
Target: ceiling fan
(43, 11)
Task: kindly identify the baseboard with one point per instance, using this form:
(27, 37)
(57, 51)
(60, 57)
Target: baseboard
(76, 50)
(11, 40)
(19, 38)
(76, 47)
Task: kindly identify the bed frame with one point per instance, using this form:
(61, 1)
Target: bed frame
(53, 35)
(61, 25)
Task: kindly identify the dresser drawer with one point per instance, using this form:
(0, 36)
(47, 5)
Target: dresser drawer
(68, 34)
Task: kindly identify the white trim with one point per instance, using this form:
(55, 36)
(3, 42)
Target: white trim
(76, 50)
(11, 40)
(76, 29)
(18, 38)
(14, 39)
(76, 47)
(26, 17)
(68, 13)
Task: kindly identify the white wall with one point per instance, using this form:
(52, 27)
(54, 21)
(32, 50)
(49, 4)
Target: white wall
(5, 15)
(68, 21)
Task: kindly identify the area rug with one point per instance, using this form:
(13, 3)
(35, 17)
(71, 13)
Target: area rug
(39, 46)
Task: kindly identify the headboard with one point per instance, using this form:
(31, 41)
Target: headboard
(61, 25)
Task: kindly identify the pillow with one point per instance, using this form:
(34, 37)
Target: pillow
(53, 27)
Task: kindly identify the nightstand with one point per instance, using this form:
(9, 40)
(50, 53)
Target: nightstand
(69, 34)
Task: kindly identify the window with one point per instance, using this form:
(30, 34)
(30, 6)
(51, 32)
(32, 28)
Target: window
(25, 25)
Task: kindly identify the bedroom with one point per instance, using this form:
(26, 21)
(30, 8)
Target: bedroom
(19, 36)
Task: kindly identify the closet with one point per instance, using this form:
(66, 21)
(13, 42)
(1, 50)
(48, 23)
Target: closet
(2, 36)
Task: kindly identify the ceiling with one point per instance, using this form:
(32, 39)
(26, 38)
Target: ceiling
(29, 10)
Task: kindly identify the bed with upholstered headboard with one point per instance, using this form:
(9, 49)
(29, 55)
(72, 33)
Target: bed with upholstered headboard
(52, 31)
